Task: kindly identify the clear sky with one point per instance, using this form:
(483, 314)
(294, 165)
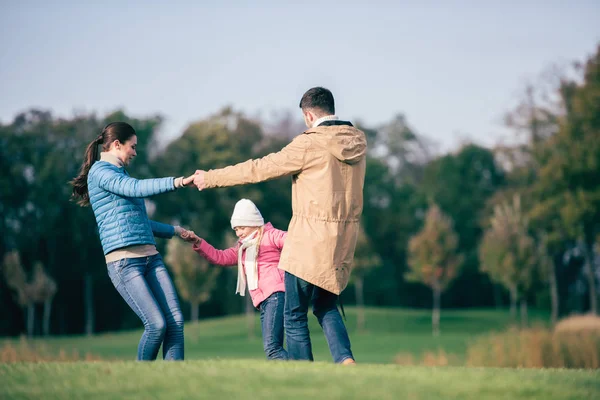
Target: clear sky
(452, 67)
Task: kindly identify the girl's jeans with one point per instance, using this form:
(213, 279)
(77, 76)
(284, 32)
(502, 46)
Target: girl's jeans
(147, 288)
(271, 320)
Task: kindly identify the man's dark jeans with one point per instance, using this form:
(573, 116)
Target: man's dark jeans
(299, 294)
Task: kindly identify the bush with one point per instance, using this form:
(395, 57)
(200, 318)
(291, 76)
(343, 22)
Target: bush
(579, 324)
(537, 348)
(428, 359)
(26, 351)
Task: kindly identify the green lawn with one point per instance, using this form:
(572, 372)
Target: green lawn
(255, 379)
(223, 363)
(388, 332)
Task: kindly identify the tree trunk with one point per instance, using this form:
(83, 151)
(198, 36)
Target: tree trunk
(590, 270)
(88, 299)
(553, 292)
(194, 310)
(360, 303)
(435, 316)
(30, 319)
(62, 321)
(47, 311)
(249, 316)
(52, 253)
(523, 313)
(497, 297)
(513, 303)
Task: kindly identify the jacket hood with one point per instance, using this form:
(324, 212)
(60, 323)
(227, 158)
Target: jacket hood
(344, 142)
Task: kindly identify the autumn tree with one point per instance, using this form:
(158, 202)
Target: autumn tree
(433, 258)
(508, 253)
(365, 259)
(193, 276)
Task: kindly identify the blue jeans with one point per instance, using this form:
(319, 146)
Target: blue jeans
(298, 295)
(271, 321)
(147, 288)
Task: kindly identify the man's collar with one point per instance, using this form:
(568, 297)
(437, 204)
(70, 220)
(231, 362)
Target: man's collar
(323, 119)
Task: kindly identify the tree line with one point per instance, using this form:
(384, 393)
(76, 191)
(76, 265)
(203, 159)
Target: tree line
(509, 226)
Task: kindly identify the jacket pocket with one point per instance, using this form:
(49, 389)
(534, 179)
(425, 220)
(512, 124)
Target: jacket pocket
(275, 276)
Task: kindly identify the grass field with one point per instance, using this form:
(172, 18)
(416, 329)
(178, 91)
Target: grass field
(221, 362)
(254, 379)
(388, 333)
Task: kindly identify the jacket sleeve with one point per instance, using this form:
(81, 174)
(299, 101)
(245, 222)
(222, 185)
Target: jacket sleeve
(162, 230)
(219, 257)
(121, 184)
(278, 238)
(289, 161)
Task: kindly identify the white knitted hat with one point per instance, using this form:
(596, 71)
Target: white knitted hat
(245, 213)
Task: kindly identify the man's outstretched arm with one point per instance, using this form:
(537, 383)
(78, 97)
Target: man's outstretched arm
(289, 161)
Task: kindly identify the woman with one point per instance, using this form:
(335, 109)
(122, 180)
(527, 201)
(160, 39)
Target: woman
(135, 267)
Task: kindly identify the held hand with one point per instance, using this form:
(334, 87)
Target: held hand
(189, 181)
(195, 239)
(199, 180)
(186, 235)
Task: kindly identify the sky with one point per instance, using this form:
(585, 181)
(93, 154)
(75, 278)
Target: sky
(453, 68)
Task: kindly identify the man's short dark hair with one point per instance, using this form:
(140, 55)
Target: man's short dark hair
(318, 98)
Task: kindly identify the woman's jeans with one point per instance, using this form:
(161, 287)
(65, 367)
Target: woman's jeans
(271, 320)
(299, 295)
(147, 288)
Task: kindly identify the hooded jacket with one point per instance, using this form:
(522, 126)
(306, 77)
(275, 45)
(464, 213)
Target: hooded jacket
(327, 165)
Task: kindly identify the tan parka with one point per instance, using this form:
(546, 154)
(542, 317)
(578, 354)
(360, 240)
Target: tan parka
(327, 164)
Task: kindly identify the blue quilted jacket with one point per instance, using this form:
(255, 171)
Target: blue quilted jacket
(118, 204)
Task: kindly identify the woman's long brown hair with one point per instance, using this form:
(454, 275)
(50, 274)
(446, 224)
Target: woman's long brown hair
(120, 131)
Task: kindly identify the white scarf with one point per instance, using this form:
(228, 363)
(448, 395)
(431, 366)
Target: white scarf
(250, 244)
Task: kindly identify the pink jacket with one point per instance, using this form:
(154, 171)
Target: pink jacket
(270, 278)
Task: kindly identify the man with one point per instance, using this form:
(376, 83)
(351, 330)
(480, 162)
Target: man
(327, 164)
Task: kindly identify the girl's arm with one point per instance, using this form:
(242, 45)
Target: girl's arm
(278, 238)
(219, 257)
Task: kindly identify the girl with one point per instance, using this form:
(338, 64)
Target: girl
(257, 256)
(135, 267)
